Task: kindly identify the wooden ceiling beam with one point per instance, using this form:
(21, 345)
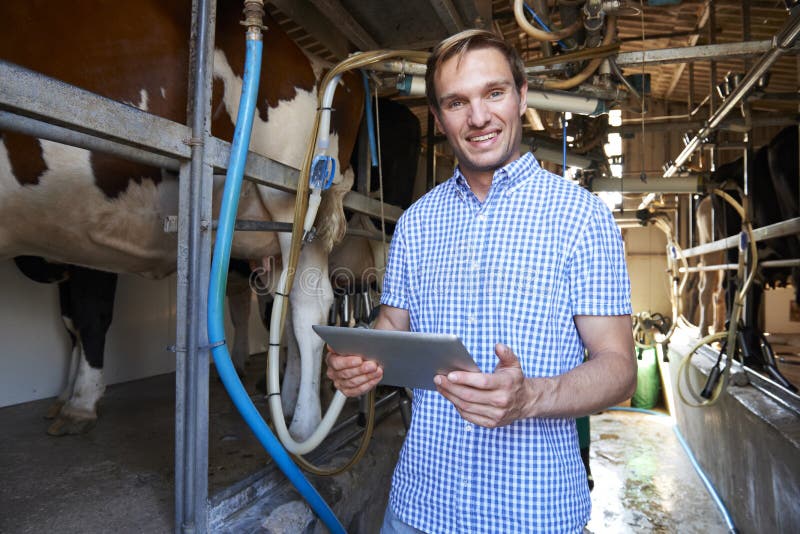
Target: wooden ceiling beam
(678, 72)
(305, 15)
(335, 12)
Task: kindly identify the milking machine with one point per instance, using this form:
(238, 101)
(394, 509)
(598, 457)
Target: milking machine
(305, 214)
(719, 376)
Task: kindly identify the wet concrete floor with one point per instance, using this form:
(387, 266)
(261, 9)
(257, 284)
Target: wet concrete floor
(119, 477)
(644, 481)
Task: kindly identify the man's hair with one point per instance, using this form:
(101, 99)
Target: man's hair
(458, 45)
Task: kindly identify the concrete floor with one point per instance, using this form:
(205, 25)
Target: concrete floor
(119, 477)
(644, 481)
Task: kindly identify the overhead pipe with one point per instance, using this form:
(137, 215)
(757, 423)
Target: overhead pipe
(556, 156)
(780, 45)
(653, 185)
(594, 64)
(562, 101)
(222, 248)
(400, 66)
(541, 35)
(559, 101)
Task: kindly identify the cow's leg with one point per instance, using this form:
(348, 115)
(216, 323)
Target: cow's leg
(75, 352)
(239, 301)
(719, 301)
(704, 297)
(92, 303)
(311, 298)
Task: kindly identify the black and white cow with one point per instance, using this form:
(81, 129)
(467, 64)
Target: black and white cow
(773, 189)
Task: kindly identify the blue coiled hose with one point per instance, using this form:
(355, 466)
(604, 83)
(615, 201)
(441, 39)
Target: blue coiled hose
(216, 293)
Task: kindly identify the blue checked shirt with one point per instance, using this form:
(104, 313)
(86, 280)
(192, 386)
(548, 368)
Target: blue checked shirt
(514, 269)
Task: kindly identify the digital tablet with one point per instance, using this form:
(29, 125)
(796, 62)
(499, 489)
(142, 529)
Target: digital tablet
(409, 359)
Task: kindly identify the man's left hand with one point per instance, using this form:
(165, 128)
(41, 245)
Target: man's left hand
(489, 400)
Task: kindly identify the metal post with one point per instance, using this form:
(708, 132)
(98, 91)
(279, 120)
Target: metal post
(748, 161)
(712, 75)
(194, 249)
(690, 241)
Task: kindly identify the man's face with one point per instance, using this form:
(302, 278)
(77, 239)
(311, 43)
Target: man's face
(480, 111)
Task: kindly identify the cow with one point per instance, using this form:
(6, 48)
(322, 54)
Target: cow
(92, 210)
(773, 190)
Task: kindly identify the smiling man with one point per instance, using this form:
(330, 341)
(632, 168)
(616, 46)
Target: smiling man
(528, 270)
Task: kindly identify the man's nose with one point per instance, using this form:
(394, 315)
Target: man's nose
(478, 114)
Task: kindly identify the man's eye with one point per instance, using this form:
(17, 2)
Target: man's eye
(455, 104)
(495, 94)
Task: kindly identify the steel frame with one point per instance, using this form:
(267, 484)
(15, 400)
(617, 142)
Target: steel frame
(783, 228)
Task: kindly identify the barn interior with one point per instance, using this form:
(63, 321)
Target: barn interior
(680, 89)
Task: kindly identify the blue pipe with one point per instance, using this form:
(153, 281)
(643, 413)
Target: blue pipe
(541, 23)
(373, 145)
(216, 293)
(699, 470)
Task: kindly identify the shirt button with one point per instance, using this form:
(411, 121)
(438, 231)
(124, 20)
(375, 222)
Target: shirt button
(468, 427)
(481, 216)
(476, 265)
(472, 319)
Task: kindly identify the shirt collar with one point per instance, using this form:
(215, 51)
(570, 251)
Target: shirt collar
(511, 175)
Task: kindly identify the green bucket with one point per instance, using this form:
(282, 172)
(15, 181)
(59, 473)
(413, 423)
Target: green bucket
(648, 387)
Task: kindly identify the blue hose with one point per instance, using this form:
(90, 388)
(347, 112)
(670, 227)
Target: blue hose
(542, 24)
(216, 294)
(373, 145)
(699, 470)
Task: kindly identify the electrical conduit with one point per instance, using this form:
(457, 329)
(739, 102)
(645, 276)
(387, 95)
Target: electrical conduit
(219, 270)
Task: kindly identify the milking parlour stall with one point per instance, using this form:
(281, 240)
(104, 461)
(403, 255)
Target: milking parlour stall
(189, 190)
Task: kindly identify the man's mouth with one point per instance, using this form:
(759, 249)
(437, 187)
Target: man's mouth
(483, 137)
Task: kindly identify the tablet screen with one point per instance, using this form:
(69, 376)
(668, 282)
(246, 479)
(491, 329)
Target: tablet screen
(409, 359)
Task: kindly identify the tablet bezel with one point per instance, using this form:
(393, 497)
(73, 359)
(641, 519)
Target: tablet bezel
(409, 359)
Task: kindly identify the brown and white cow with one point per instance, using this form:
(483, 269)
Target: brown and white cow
(85, 208)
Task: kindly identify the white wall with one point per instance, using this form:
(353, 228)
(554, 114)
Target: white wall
(33, 359)
(778, 317)
(647, 262)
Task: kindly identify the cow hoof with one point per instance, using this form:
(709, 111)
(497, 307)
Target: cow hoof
(54, 410)
(65, 426)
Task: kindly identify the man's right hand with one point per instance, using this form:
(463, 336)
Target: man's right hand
(354, 375)
(351, 373)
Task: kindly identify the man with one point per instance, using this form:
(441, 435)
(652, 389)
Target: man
(528, 270)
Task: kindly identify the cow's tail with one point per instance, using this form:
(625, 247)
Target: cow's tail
(331, 222)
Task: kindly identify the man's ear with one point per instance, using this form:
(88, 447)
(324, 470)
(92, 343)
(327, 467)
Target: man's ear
(523, 98)
(435, 114)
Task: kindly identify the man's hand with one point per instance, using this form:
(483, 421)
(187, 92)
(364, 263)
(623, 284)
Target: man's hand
(354, 375)
(351, 373)
(489, 400)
